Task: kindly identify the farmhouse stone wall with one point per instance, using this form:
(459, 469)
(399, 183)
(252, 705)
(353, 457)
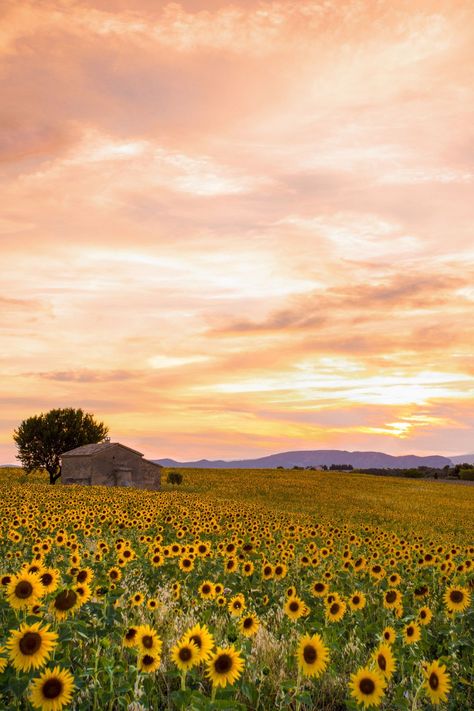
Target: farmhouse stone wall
(109, 464)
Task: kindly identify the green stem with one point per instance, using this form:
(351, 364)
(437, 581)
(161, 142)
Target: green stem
(183, 680)
(297, 691)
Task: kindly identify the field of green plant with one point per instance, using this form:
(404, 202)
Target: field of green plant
(237, 590)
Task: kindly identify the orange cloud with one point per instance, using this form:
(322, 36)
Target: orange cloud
(233, 228)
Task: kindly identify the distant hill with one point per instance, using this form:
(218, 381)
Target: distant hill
(463, 458)
(316, 458)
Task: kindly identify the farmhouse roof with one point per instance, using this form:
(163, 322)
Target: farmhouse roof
(89, 450)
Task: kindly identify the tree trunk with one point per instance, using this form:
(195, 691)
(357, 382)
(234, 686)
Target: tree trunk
(54, 476)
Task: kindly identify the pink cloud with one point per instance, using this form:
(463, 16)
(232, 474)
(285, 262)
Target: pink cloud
(205, 197)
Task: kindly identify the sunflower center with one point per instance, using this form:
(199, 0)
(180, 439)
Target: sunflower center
(456, 596)
(382, 662)
(30, 643)
(131, 633)
(206, 589)
(147, 641)
(82, 576)
(223, 664)
(391, 596)
(248, 622)
(433, 681)
(334, 609)
(310, 654)
(65, 600)
(23, 590)
(356, 600)
(294, 606)
(147, 660)
(267, 571)
(46, 579)
(410, 631)
(52, 688)
(197, 640)
(185, 654)
(367, 686)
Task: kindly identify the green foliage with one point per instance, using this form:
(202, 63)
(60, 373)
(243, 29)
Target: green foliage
(174, 478)
(467, 474)
(42, 439)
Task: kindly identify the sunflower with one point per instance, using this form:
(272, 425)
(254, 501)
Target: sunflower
(295, 608)
(148, 641)
(335, 611)
(202, 638)
(130, 637)
(248, 568)
(357, 601)
(236, 605)
(186, 564)
(249, 624)
(425, 616)
(185, 655)
(3, 660)
(384, 660)
(231, 565)
(115, 574)
(84, 575)
(137, 599)
(389, 635)
(280, 571)
(149, 662)
(30, 646)
(65, 602)
(84, 593)
(437, 682)
(391, 599)
(152, 604)
(367, 687)
(421, 592)
(52, 690)
(457, 598)
(225, 666)
(319, 589)
(267, 571)
(411, 633)
(312, 655)
(207, 590)
(24, 590)
(49, 579)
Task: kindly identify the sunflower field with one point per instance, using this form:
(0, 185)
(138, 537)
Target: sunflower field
(238, 590)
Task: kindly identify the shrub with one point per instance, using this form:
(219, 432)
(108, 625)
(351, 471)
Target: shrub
(174, 478)
(467, 474)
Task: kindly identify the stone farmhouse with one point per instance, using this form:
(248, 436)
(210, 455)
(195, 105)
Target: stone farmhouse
(109, 464)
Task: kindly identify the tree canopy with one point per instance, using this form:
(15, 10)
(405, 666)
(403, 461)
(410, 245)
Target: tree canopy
(42, 439)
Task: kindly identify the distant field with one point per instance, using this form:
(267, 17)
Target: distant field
(432, 507)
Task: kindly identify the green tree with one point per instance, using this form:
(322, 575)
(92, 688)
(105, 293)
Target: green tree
(42, 439)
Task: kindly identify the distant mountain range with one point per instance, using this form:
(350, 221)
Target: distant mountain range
(318, 458)
(463, 459)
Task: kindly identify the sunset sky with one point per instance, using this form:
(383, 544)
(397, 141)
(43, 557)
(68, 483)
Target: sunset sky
(235, 228)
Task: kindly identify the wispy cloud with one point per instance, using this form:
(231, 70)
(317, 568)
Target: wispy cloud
(250, 223)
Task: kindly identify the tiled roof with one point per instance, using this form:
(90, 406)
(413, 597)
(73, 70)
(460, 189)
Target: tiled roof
(88, 450)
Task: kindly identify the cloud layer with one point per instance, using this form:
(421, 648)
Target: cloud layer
(235, 228)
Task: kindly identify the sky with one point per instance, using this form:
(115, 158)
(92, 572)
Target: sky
(235, 228)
